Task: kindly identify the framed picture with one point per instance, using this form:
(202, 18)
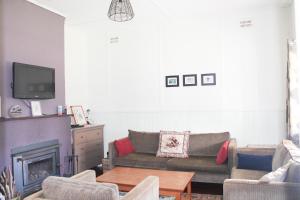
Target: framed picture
(172, 81)
(190, 80)
(36, 108)
(78, 115)
(208, 79)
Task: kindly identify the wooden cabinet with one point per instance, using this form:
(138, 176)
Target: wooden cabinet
(87, 143)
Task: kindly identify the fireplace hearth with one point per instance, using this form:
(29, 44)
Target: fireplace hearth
(33, 163)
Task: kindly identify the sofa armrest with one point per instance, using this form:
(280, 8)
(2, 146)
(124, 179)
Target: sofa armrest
(112, 154)
(232, 153)
(236, 189)
(148, 189)
(87, 175)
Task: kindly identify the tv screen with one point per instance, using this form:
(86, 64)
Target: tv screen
(33, 82)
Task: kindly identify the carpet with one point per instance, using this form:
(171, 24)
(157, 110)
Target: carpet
(194, 197)
(205, 197)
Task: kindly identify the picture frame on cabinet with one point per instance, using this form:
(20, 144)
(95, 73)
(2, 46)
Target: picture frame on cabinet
(79, 116)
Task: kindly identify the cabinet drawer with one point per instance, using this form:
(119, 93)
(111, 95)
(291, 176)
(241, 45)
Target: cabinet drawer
(80, 138)
(87, 148)
(95, 135)
(87, 137)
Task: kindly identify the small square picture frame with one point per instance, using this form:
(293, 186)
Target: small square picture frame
(36, 109)
(172, 81)
(208, 79)
(190, 80)
(79, 116)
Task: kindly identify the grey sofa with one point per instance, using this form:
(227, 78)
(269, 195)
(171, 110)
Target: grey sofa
(203, 149)
(244, 184)
(84, 186)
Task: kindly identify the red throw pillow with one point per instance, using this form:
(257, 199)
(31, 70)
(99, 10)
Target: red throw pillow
(124, 146)
(223, 153)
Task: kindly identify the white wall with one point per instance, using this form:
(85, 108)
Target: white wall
(297, 22)
(76, 67)
(126, 80)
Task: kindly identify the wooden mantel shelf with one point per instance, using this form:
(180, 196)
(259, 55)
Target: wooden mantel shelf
(3, 119)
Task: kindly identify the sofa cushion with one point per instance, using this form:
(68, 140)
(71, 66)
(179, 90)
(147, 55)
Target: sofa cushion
(285, 151)
(279, 156)
(207, 144)
(144, 142)
(293, 151)
(277, 176)
(142, 160)
(124, 146)
(173, 144)
(60, 188)
(247, 174)
(293, 174)
(193, 163)
(223, 153)
(255, 162)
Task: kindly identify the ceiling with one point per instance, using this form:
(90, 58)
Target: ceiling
(79, 10)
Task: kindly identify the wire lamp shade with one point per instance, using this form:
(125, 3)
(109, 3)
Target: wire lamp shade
(120, 11)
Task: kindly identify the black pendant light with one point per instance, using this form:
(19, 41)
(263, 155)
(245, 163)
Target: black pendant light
(120, 11)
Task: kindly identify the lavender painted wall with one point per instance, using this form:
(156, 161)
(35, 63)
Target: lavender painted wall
(30, 131)
(35, 36)
(1, 56)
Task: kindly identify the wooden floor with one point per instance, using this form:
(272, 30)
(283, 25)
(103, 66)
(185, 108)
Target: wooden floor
(200, 188)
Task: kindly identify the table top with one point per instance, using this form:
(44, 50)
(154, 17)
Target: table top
(169, 180)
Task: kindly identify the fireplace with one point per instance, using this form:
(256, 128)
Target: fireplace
(33, 163)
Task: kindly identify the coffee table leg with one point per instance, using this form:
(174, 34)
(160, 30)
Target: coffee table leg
(189, 190)
(178, 196)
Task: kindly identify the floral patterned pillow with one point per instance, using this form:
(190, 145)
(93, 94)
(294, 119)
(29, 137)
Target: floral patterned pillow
(173, 144)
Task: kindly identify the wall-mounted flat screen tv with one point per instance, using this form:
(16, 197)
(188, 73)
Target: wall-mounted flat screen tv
(33, 82)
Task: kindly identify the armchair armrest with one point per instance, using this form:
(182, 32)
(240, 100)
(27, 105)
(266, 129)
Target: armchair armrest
(236, 189)
(148, 189)
(112, 154)
(87, 175)
(232, 153)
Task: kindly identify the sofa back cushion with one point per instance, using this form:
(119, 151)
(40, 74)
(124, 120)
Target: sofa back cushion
(207, 144)
(285, 151)
(279, 156)
(60, 188)
(254, 162)
(144, 142)
(293, 174)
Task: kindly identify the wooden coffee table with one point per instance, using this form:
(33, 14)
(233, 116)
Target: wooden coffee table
(171, 183)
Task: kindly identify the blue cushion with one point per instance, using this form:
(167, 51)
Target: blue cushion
(255, 162)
